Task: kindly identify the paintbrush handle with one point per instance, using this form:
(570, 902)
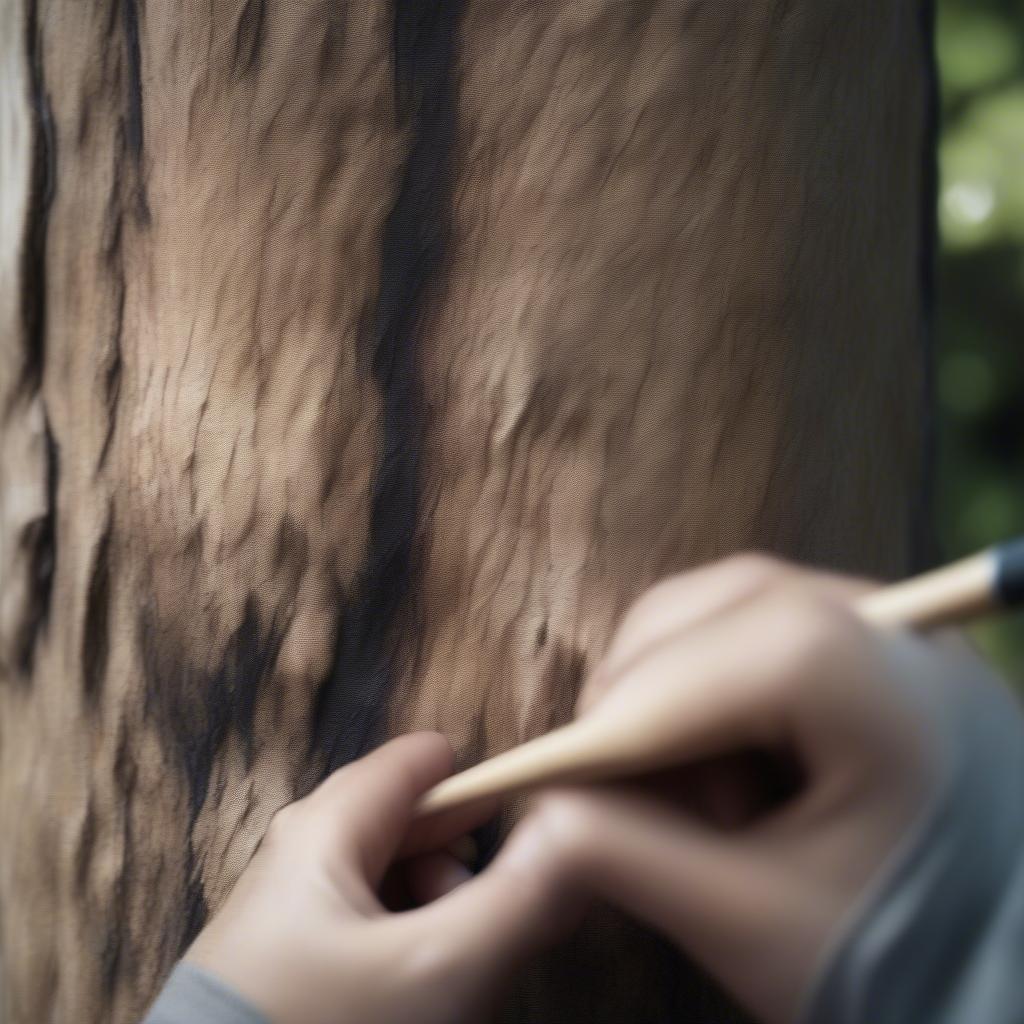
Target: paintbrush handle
(974, 586)
(588, 750)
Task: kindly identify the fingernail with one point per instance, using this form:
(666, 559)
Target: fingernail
(456, 874)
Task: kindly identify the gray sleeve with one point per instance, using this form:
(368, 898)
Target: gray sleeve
(192, 996)
(940, 936)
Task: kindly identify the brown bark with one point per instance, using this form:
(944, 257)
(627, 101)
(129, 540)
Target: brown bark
(353, 379)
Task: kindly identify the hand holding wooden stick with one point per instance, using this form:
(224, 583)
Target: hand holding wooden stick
(598, 748)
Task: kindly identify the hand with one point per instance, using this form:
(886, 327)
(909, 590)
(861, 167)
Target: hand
(305, 938)
(767, 658)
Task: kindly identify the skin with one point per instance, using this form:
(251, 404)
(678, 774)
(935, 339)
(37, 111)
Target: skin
(765, 656)
(758, 654)
(305, 936)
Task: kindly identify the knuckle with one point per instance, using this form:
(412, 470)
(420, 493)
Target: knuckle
(754, 569)
(804, 634)
(743, 572)
(650, 603)
(568, 823)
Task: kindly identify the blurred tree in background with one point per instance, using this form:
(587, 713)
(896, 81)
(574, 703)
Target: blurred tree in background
(980, 359)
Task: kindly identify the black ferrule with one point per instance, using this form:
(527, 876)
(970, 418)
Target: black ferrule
(1009, 584)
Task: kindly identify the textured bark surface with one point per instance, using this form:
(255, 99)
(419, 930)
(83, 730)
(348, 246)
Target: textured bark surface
(360, 362)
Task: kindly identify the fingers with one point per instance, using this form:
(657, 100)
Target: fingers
(684, 602)
(673, 605)
(481, 928)
(370, 802)
(433, 875)
(731, 791)
(438, 830)
(713, 895)
(641, 854)
(759, 676)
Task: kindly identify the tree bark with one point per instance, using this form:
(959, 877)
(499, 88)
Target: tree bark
(360, 363)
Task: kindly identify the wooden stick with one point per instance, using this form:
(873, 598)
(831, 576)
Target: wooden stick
(955, 593)
(594, 749)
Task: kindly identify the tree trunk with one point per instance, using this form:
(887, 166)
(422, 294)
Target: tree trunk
(360, 362)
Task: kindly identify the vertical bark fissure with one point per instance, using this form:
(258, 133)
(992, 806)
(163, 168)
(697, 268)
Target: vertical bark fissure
(41, 191)
(350, 700)
(115, 949)
(249, 35)
(96, 629)
(39, 541)
(124, 199)
(112, 374)
(38, 538)
(134, 124)
(197, 706)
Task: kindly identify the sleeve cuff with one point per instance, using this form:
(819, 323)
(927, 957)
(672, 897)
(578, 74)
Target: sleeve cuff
(940, 936)
(192, 996)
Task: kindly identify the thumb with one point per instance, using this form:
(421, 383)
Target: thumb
(370, 802)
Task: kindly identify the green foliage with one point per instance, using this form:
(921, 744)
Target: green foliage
(980, 368)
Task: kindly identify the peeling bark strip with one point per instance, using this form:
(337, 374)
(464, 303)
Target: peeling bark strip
(353, 698)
